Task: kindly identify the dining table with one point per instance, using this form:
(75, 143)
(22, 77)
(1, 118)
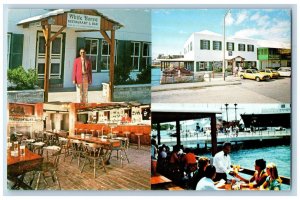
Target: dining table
(18, 166)
(97, 140)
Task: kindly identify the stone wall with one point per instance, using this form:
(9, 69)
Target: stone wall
(25, 96)
(140, 93)
(181, 79)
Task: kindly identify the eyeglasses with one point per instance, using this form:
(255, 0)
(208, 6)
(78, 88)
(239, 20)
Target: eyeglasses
(82, 52)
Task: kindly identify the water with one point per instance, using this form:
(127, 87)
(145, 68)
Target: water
(155, 76)
(280, 155)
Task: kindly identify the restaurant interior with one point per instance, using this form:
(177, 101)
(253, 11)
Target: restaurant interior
(73, 146)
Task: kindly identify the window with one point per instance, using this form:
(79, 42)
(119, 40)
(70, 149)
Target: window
(136, 46)
(91, 48)
(105, 56)
(241, 47)
(204, 44)
(230, 46)
(191, 48)
(8, 48)
(217, 45)
(250, 47)
(55, 67)
(146, 53)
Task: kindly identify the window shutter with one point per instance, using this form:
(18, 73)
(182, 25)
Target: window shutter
(201, 44)
(232, 46)
(220, 45)
(208, 45)
(16, 50)
(143, 59)
(127, 54)
(99, 55)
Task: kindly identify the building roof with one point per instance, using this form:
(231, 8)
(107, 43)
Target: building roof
(61, 11)
(175, 60)
(260, 43)
(273, 44)
(207, 32)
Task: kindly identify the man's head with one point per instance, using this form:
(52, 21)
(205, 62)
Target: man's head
(82, 52)
(261, 164)
(210, 172)
(226, 148)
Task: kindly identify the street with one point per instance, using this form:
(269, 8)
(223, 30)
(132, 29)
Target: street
(249, 91)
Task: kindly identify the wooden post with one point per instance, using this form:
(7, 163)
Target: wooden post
(112, 65)
(47, 32)
(158, 133)
(178, 132)
(213, 134)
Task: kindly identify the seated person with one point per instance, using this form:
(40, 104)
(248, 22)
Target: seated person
(189, 161)
(207, 183)
(273, 181)
(259, 175)
(126, 118)
(203, 162)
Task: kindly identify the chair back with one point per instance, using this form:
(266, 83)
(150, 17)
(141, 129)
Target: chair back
(76, 145)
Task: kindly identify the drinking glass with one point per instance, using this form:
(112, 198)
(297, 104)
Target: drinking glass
(16, 145)
(22, 149)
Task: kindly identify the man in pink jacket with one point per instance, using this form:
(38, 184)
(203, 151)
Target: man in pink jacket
(82, 76)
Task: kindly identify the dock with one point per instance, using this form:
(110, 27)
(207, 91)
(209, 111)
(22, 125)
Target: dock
(221, 138)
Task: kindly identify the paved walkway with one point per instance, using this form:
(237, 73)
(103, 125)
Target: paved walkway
(229, 80)
(70, 96)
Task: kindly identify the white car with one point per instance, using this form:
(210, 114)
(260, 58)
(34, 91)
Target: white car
(284, 71)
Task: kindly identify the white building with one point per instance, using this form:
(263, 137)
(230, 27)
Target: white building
(26, 45)
(205, 49)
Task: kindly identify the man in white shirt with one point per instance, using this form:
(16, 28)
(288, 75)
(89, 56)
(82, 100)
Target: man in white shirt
(206, 183)
(222, 162)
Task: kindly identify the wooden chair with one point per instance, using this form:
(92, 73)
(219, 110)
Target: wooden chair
(124, 142)
(49, 167)
(76, 149)
(92, 152)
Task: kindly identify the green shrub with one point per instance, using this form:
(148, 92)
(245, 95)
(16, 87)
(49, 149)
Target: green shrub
(22, 79)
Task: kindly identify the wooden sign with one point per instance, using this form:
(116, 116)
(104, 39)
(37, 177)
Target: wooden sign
(83, 21)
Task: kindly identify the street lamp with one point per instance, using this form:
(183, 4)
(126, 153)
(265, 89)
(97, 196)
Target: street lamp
(226, 105)
(223, 69)
(235, 110)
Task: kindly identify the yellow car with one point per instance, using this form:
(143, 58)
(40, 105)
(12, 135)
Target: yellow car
(271, 72)
(253, 74)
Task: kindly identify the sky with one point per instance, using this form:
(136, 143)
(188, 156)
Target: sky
(172, 27)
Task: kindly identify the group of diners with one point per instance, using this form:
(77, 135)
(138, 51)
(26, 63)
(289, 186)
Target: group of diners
(199, 173)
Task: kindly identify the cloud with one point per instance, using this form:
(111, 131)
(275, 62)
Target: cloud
(241, 17)
(279, 31)
(182, 32)
(229, 19)
(261, 20)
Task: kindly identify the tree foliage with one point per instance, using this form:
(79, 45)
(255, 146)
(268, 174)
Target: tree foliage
(22, 79)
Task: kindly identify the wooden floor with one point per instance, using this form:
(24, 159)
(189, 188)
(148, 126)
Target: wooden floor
(133, 176)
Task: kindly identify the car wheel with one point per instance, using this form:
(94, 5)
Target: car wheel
(257, 79)
(242, 77)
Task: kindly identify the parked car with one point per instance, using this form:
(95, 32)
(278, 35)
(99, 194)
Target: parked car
(271, 72)
(284, 71)
(253, 74)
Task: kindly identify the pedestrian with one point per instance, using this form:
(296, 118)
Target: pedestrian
(236, 70)
(82, 76)
(222, 162)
